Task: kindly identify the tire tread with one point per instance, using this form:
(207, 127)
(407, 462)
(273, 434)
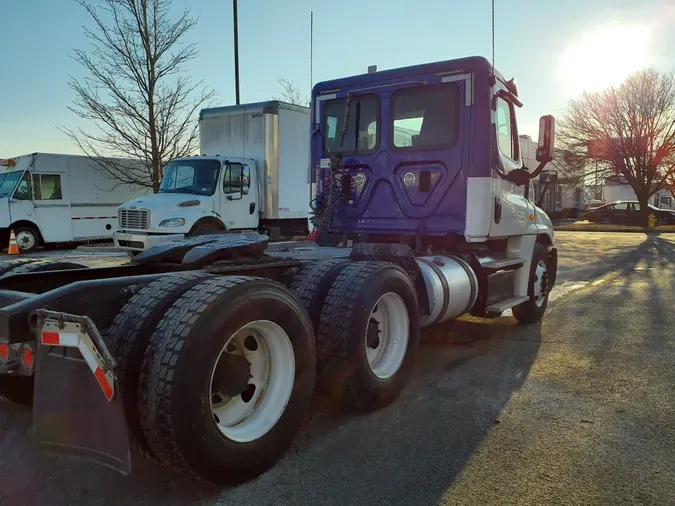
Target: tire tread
(160, 361)
(129, 335)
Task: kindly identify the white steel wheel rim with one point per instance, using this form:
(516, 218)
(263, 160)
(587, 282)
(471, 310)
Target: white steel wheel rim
(390, 314)
(25, 240)
(272, 370)
(539, 286)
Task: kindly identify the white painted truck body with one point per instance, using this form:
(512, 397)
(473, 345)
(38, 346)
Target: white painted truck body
(63, 198)
(268, 142)
(613, 192)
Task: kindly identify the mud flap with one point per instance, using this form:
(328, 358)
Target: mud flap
(77, 410)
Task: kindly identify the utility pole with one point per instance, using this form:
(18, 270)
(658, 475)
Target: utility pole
(236, 49)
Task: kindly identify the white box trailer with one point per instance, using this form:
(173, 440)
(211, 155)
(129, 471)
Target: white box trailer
(276, 135)
(253, 174)
(53, 198)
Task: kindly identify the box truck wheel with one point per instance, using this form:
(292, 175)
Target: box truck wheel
(129, 334)
(227, 378)
(368, 335)
(532, 310)
(27, 238)
(207, 228)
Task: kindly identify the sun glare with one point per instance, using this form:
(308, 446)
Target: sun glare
(604, 57)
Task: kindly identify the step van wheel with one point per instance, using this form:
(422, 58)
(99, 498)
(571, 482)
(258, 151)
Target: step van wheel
(312, 283)
(227, 379)
(532, 310)
(368, 335)
(129, 334)
(27, 239)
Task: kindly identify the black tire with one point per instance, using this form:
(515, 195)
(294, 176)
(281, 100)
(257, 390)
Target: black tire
(530, 312)
(42, 266)
(17, 389)
(176, 375)
(129, 334)
(206, 229)
(343, 369)
(35, 235)
(329, 240)
(606, 220)
(6, 266)
(312, 283)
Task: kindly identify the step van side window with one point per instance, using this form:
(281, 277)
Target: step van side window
(47, 187)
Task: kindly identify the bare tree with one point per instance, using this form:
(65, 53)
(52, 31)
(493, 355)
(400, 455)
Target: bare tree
(627, 131)
(290, 93)
(141, 104)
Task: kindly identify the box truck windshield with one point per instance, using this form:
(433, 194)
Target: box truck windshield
(8, 182)
(191, 176)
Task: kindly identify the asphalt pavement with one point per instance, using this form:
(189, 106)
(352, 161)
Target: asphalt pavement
(576, 409)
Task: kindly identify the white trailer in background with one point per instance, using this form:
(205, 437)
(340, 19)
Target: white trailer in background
(253, 174)
(53, 198)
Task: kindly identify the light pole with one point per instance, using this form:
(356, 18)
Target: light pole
(236, 50)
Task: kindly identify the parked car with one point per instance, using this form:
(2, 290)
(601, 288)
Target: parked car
(627, 213)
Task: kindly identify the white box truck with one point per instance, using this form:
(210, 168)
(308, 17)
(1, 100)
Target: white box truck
(53, 198)
(253, 174)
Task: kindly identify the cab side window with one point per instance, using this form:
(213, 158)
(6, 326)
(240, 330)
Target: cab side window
(507, 134)
(232, 178)
(23, 189)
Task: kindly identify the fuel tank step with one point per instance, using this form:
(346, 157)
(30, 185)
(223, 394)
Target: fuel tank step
(500, 307)
(503, 263)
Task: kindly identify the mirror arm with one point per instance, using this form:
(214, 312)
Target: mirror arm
(539, 168)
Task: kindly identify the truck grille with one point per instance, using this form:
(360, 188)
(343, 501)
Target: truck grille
(138, 219)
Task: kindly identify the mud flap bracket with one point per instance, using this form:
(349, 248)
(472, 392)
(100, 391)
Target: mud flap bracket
(76, 409)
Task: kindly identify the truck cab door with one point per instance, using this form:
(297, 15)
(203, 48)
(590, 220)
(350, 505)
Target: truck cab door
(21, 204)
(511, 210)
(239, 196)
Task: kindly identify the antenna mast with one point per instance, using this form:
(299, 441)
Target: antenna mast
(493, 38)
(236, 49)
(311, 50)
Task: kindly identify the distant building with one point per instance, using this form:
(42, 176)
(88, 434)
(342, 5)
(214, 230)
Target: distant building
(569, 196)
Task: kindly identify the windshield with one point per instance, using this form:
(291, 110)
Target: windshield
(8, 182)
(196, 176)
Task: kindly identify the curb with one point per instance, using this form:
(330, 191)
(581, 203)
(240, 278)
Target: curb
(99, 248)
(618, 230)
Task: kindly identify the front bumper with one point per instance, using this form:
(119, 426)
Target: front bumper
(140, 242)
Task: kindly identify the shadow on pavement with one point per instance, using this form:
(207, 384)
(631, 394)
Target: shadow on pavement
(594, 422)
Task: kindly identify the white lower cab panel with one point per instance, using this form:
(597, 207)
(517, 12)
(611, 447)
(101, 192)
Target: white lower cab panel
(478, 208)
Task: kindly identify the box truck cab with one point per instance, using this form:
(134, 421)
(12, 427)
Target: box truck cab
(198, 195)
(253, 174)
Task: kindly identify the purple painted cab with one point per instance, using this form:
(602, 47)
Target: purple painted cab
(422, 131)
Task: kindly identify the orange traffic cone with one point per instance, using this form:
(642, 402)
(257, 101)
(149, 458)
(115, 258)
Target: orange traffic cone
(13, 246)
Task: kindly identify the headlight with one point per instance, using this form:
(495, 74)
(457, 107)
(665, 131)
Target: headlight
(172, 222)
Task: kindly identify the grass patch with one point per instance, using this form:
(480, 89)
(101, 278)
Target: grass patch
(599, 227)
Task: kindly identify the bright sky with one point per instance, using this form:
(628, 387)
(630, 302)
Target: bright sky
(554, 49)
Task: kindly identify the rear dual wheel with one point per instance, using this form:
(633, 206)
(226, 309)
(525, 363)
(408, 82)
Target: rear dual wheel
(227, 379)
(368, 335)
